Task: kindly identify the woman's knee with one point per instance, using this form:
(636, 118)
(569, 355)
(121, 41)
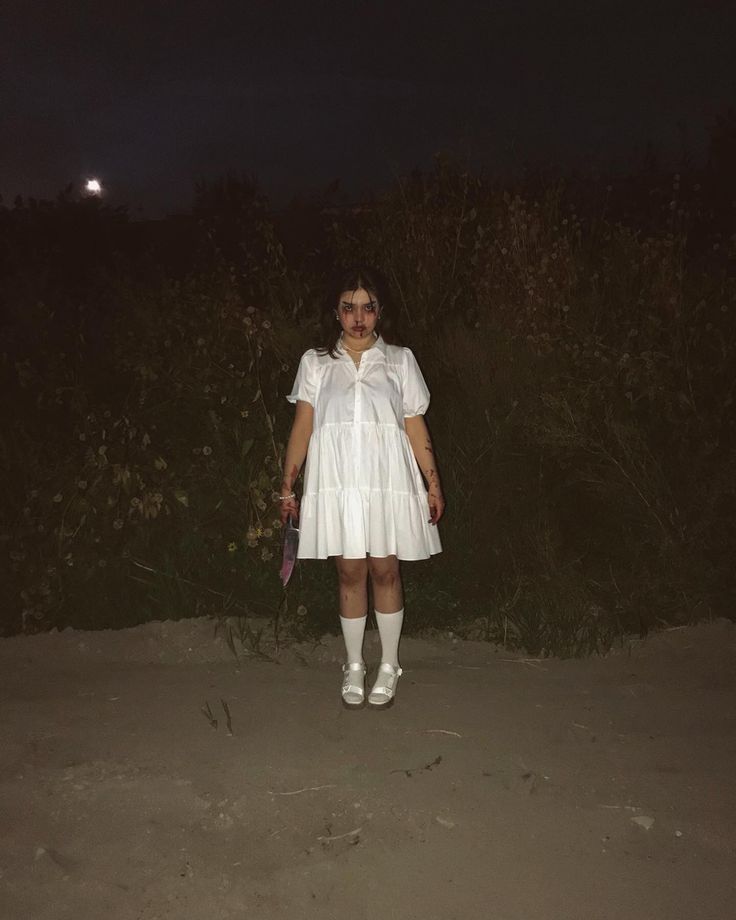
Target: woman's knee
(352, 572)
(384, 572)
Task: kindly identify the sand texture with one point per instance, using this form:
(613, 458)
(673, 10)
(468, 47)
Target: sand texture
(497, 786)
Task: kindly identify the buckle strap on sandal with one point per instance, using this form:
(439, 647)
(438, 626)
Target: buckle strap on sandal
(385, 686)
(353, 683)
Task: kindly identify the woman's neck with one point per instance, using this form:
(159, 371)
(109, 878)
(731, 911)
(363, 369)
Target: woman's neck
(358, 345)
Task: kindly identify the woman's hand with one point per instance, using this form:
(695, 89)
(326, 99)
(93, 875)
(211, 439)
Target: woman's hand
(436, 503)
(288, 506)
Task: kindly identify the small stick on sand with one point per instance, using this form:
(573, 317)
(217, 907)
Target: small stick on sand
(529, 662)
(227, 716)
(207, 713)
(441, 731)
(340, 836)
(305, 789)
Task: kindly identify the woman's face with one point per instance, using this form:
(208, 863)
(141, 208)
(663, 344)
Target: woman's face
(357, 312)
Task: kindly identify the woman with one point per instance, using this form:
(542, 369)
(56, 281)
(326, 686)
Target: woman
(359, 423)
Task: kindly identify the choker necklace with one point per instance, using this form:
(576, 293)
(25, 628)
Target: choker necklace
(357, 351)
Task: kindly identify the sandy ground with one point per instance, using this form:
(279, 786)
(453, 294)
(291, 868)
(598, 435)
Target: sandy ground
(497, 787)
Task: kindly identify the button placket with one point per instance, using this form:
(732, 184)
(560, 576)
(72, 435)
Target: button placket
(358, 418)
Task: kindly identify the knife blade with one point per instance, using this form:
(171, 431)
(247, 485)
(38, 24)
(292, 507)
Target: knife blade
(290, 546)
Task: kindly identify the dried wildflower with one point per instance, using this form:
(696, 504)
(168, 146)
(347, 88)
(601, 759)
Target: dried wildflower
(82, 483)
(160, 463)
(206, 451)
(151, 505)
(266, 554)
(266, 324)
(244, 413)
(268, 532)
(232, 547)
(59, 497)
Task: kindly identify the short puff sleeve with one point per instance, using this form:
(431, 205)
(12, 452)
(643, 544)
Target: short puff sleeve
(305, 384)
(415, 391)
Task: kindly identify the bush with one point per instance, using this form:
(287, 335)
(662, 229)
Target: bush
(590, 474)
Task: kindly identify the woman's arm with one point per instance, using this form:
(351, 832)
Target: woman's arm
(296, 452)
(421, 444)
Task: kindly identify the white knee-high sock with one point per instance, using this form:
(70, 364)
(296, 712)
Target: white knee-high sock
(389, 629)
(353, 630)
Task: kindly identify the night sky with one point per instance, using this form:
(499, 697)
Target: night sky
(149, 96)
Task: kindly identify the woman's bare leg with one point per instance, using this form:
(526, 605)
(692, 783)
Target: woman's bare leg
(388, 594)
(352, 575)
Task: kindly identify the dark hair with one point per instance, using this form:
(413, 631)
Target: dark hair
(351, 279)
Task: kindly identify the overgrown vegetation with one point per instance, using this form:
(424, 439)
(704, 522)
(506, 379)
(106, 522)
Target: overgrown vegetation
(580, 344)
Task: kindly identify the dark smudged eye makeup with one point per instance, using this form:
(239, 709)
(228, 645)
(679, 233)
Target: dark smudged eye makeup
(368, 307)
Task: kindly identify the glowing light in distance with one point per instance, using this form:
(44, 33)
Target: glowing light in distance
(93, 187)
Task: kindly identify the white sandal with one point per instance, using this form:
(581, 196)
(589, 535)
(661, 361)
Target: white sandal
(382, 694)
(353, 685)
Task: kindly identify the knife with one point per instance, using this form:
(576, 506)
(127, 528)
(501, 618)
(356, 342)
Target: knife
(291, 544)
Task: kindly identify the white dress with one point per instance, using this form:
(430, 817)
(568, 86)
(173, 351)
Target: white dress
(363, 489)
